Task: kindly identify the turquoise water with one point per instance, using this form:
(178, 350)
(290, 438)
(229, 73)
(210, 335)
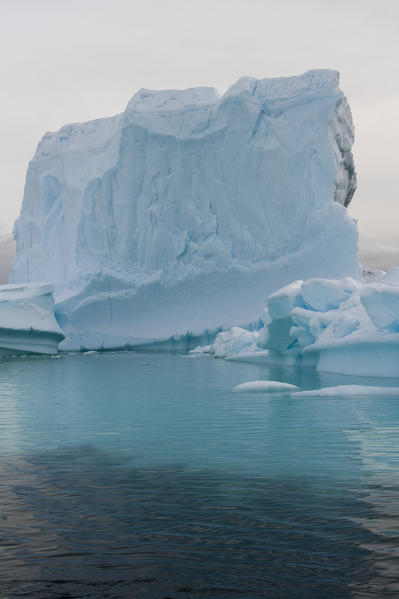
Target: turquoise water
(143, 475)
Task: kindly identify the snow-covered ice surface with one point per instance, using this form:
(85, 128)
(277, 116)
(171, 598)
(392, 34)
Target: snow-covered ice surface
(265, 387)
(182, 214)
(339, 326)
(348, 391)
(27, 322)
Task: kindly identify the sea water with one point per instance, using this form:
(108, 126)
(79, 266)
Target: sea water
(143, 475)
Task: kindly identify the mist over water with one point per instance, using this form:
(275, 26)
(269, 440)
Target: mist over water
(143, 475)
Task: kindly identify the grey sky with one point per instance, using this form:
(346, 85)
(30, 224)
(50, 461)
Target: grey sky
(64, 61)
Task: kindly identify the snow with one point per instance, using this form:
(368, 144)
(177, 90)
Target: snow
(178, 217)
(265, 387)
(349, 390)
(27, 321)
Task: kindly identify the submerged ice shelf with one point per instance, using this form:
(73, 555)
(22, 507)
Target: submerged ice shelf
(27, 322)
(183, 213)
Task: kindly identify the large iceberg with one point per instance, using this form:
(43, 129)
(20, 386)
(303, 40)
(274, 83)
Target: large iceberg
(179, 216)
(27, 322)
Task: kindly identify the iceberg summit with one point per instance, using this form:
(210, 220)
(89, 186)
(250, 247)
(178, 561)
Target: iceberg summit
(178, 217)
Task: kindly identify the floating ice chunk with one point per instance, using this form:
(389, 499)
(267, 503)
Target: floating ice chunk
(233, 341)
(349, 390)
(265, 387)
(201, 349)
(337, 326)
(27, 322)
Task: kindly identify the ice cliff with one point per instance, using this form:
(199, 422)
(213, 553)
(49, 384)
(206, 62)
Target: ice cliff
(180, 215)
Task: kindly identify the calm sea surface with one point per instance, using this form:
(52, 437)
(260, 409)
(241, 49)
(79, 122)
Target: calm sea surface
(141, 475)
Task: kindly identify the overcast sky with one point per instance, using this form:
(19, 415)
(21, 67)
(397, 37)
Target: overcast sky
(64, 61)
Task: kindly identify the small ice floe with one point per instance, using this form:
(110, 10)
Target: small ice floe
(265, 387)
(349, 390)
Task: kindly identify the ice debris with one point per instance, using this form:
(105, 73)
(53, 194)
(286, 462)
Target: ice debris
(265, 387)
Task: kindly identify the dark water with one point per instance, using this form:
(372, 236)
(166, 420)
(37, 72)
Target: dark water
(143, 475)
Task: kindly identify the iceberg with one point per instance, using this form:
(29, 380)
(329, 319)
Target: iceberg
(340, 326)
(27, 321)
(178, 217)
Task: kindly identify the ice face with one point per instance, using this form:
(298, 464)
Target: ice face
(182, 214)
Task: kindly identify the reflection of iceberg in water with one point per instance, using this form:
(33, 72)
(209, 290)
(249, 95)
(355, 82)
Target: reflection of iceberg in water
(379, 452)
